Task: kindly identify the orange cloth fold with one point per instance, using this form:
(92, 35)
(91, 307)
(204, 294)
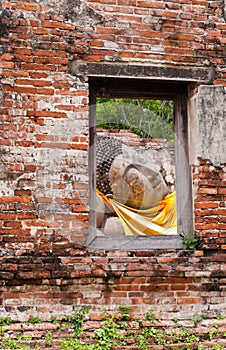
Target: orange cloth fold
(158, 220)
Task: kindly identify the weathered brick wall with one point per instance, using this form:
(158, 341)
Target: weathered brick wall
(45, 267)
(210, 219)
(175, 284)
(209, 172)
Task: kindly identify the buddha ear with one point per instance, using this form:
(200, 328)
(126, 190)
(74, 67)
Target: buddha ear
(127, 168)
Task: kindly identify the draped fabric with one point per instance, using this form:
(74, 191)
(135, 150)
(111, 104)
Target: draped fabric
(158, 220)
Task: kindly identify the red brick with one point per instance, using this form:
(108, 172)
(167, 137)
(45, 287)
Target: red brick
(34, 275)
(25, 7)
(39, 31)
(33, 82)
(37, 67)
(190, 301)
(79, 146)
(205, 205)
(51, 114)
(147, 4)
(207, 190)
(15, 74)
(22, 51)
(222, 190)
(6, 57)
(26, 90)
(58, 25)
(11, 232)
(204, 226)
(38, 75)
(26, 215)
(24, 143)
(7, 64)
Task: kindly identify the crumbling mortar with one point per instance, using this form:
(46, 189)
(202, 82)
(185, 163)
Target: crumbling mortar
(5, 21)
(224, 9)
(76, 12)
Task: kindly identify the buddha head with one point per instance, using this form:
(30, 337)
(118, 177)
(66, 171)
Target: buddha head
(135, 181)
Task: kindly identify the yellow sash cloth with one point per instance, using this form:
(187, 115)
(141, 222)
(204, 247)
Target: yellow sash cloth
(158, 220)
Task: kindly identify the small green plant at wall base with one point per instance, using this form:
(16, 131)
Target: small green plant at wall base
(53, 319)
(5, 321)
(48, 339)
(125, 312)
(199, 317)
(76, 319)
(34, 320)
(220, 317)
(120, 330)
(11, 343)
(22, 337)
(75, 344)
(175, 320)
(189, 242)
(218, 347)
(109, 334)
(150, 316)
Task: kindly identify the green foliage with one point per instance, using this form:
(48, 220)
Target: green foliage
(143, 341)
(75, 344)
(22, 337)
(10, 343)
(150, 316)
(109, 334)
(191, 338)
(199, 318)
(189, 242)
(200, 347)
(146, 118)
(175, 320)
(5, 321)
(34, 320)
(53, 319)
(213, 332)
(125, 312)
(48, 339)
(76, 319)
(218, 347)
(124, 316)
(115, 331)
(220, 317)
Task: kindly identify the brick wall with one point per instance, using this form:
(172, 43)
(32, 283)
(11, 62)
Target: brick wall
(45, 267)
(175, 284)
(209, 205)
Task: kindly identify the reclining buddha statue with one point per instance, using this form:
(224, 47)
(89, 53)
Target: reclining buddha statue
(127, 179)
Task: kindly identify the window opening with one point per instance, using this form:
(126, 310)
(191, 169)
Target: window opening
(126, 115)
(135, 170)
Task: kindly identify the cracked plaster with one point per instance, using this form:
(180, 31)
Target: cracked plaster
(75, 11)
(207, 125)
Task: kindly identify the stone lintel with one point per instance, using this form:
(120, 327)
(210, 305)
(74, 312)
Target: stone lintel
(191, 74)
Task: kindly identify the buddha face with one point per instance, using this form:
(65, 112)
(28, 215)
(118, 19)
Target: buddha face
(135, 182)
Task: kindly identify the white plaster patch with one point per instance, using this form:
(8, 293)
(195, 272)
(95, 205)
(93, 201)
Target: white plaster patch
(207, 124)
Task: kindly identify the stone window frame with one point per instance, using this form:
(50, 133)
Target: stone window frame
(148, 82)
